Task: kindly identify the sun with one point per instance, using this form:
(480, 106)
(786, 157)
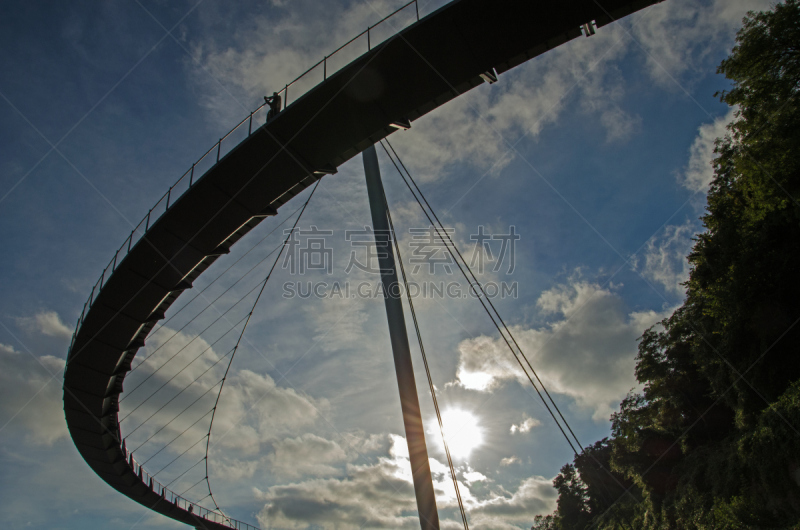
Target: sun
(462, 431)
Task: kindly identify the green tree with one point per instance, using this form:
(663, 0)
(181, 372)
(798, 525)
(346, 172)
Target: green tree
(589, 490)
(544, 522)
(712, 440)
(743, 281)
(604, 486)
(573, 506)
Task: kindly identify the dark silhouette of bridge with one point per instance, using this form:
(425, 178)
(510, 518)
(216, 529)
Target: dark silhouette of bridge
(436, 59)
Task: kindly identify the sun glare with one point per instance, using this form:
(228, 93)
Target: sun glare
(462, 432)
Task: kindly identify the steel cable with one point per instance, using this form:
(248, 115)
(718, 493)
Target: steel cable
(246, 319)
(195, 338)
(608, 472)
(427, 368)
(182, 474)
(208, 306)
(481, 300)
(236, 347)
(170, 442)
(173, 419)
(179, 373)
(180, 455)
(204, 289)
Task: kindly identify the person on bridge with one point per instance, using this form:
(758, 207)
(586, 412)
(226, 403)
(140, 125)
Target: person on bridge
(274, 102)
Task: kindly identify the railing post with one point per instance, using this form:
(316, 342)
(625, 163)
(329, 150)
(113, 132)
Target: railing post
(91, 296)
(325, 68)
(191, 177)
(369, 45)
(169, 192)
(219, 146)
(416, 4)
(102, 277)
(114, 266)
(285, 96)
(250, 127)
(147, 224)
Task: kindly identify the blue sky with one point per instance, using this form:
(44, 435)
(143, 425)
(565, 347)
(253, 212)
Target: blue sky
(598, 153)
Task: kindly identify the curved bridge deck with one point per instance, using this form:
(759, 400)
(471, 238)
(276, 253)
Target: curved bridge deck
(424, 66)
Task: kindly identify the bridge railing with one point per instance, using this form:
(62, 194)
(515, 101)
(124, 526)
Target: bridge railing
(370, 37)
(186, 181)
(329, 64)
(181, 502)
(363, 42)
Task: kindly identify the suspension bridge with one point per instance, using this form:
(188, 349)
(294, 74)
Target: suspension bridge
(393, 83)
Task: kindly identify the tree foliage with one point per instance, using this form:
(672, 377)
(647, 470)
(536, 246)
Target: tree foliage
(713, 439)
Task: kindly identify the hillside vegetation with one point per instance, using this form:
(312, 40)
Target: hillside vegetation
(713, 439)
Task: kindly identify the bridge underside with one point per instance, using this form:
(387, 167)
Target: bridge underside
(423, 67)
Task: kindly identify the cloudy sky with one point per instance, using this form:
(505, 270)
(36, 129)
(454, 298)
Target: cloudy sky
(597, 154)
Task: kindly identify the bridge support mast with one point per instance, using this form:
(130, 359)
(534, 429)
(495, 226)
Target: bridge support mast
(392, 291)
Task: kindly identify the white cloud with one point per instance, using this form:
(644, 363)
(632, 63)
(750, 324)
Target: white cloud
(534, 496)
(381, 495)
(227, 467)
(700, 171)
(478, 128)
(47, 323)
(474, 476)
(306, 455)
(525, 426)
(274, 48)
(7, 349)
(509, 460)
(682, 35)
(588, 353)
(374, 495)
(253, 410)
(665, 260)
(31, 396)
(481, 127)
(337, 320)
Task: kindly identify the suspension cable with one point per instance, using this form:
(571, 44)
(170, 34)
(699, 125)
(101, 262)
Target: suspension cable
(489, 300)
(182, 474)
(608, 472)
(180, 455)
(220, 317)
(177, 374)
(207, 307)
(181, 434)
(236, 347)
(221, 382)
(190, 405)
(204, 289)
(445, 239)
(392, 235)
(181, 494)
